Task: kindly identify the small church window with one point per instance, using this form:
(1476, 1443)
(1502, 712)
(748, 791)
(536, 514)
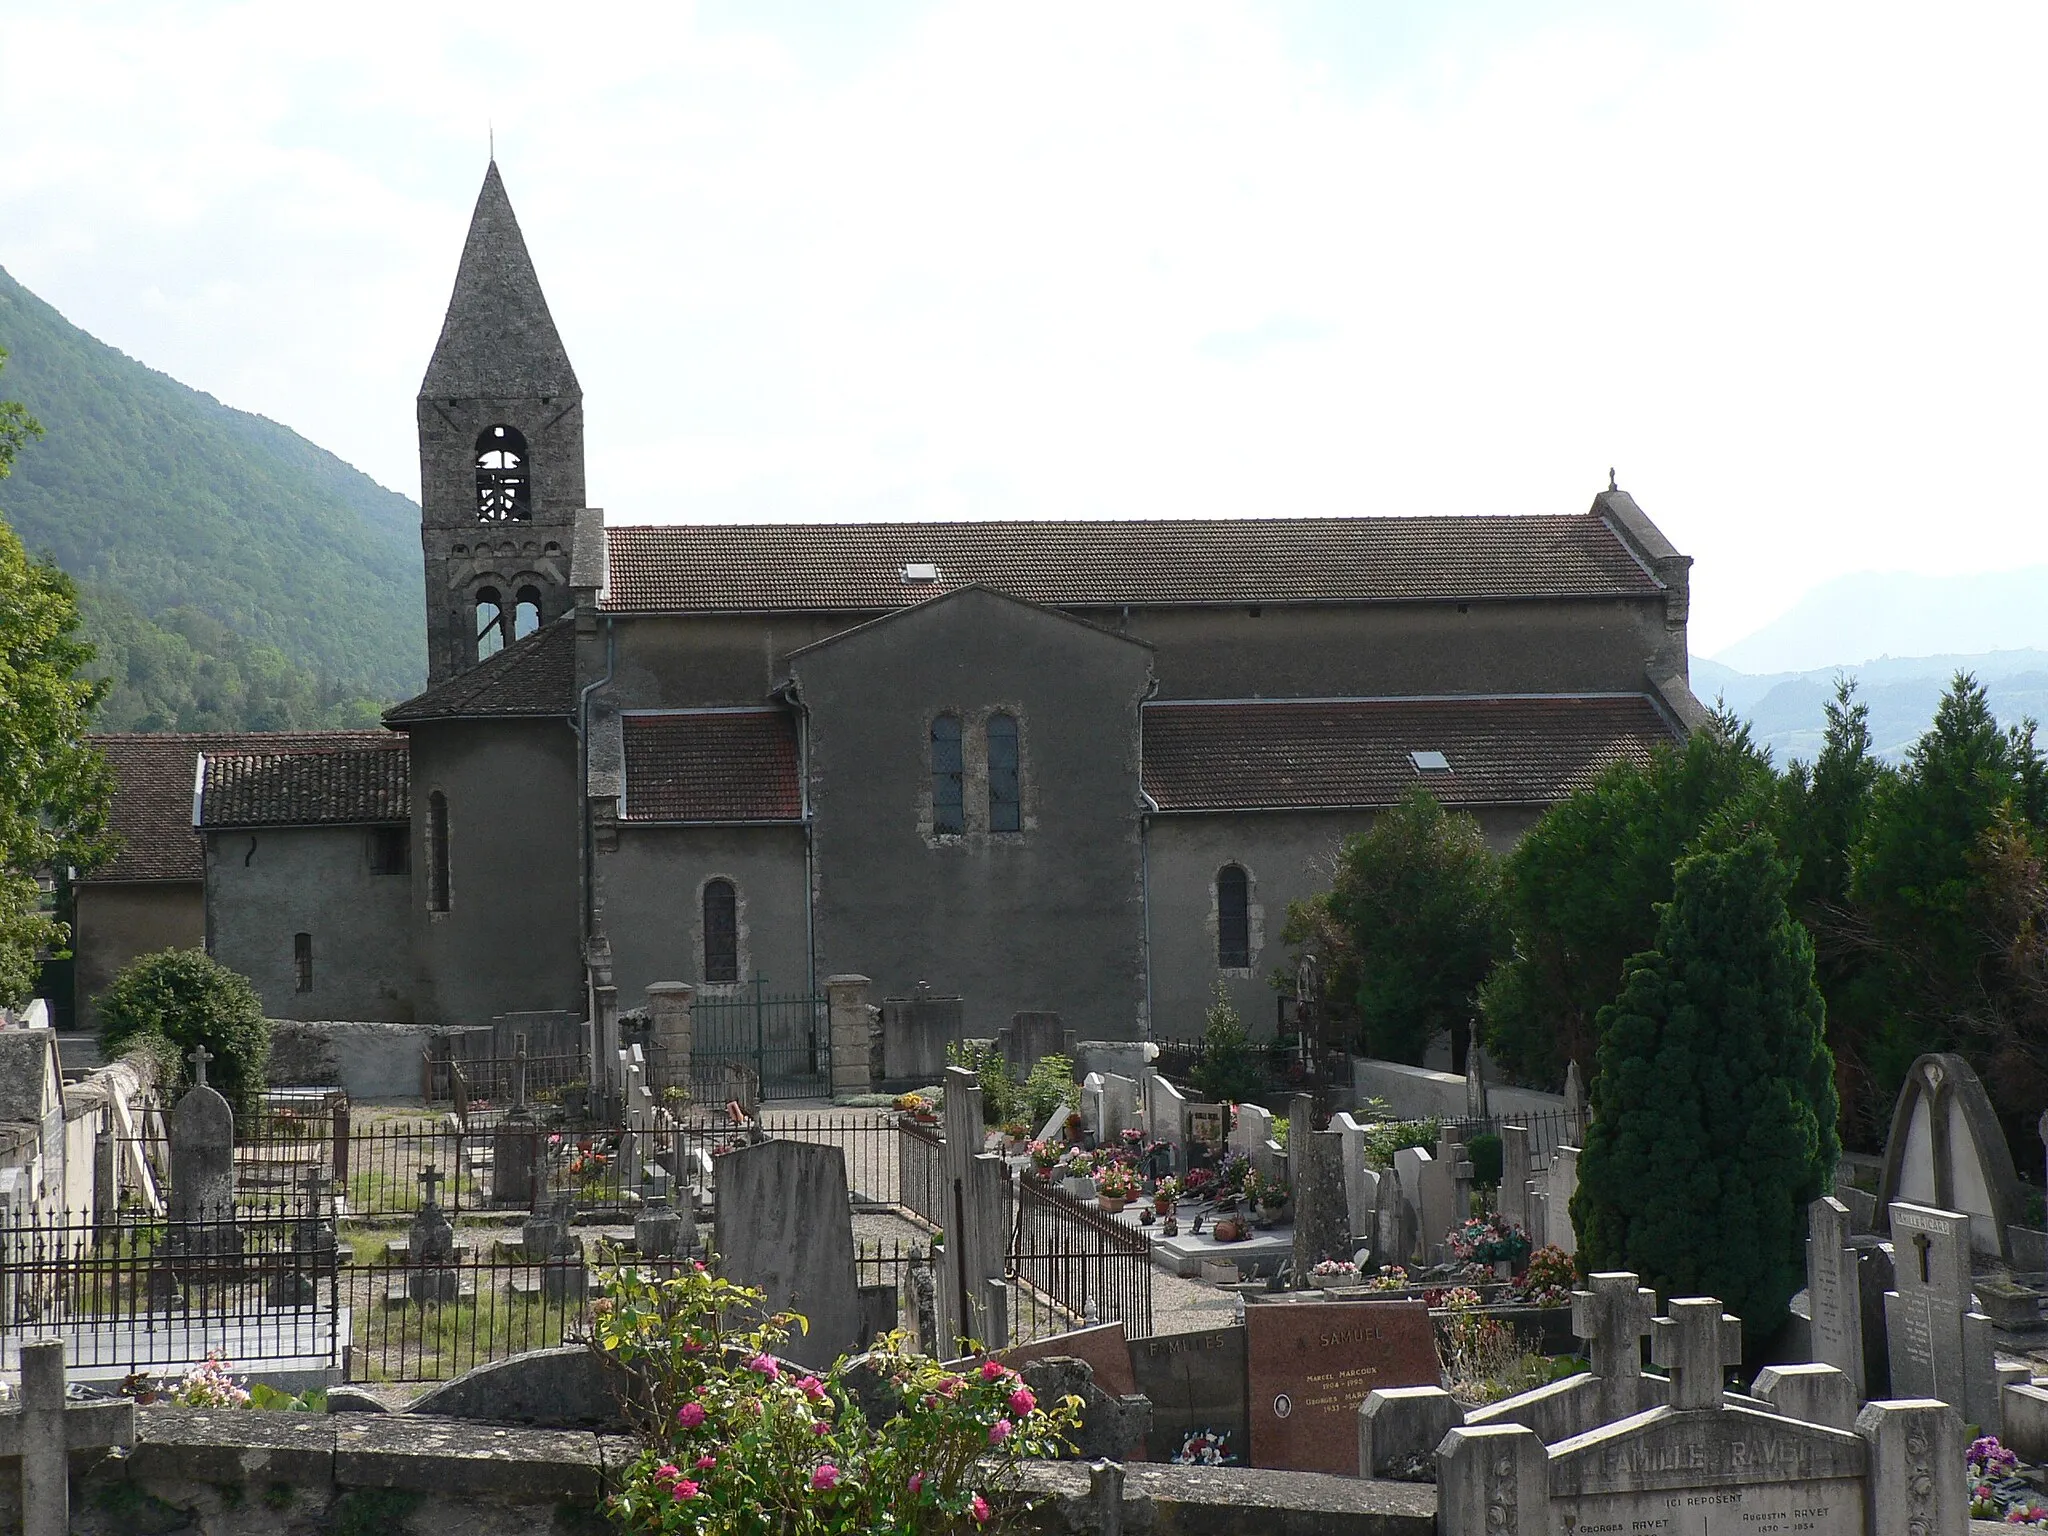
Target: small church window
(1233, 919)
(721, 932)
(302, 960)
(949, 801)
(526, 612)
(1005, 807)
(437, 852)
(490, 622)
(504, 489)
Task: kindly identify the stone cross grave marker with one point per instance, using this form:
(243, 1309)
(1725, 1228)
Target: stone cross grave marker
(515, 1141)
(1939, 1347)
(203, 1165)
(1475, 1087)
(785, 1225)
(1833, 1290)
(1696, 1344)
(46, 1428)
(1613, 1315)
(431, 1246)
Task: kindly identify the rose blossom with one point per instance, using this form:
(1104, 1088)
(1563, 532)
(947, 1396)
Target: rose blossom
(999, 1431)
(991, 1371)
(812, 1388)
(917, 1482)
(690, 1415)
(685, 1490)
(706, 1463)
(979, 1509)
(1022, 1401)
(766, 1365)
(825, 1477)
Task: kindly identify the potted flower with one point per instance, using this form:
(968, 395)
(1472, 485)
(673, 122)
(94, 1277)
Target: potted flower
(1078, 1172)
(1334, 1272)
(1116, 1184)
(1015, 1135)
(1045, 1157)
(1165, 1195)
(1273, 1197)
(918, 1107)
(1490, 1239)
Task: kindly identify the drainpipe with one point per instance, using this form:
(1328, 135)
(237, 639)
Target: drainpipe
(789, 695)
(582, 728)
(1150, 809)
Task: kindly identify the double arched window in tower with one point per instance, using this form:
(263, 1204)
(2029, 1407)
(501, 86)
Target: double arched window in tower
(1003, 779)
(504, 484)
(499, 624)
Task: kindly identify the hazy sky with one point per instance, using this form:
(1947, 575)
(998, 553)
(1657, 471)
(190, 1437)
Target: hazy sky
(1779, 264)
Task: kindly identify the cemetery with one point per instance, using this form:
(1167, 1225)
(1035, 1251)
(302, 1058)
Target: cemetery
(1367, 1312)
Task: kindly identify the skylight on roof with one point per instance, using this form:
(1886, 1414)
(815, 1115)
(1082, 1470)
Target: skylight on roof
(920, 570)
(1430, 762)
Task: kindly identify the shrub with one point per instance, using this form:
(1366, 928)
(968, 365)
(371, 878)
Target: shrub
(185, 998)
(735, 1440)
(1229, 1070)
(1049, 1087)
(1487, 1159)
(1002, 1096)
(1387, 1137)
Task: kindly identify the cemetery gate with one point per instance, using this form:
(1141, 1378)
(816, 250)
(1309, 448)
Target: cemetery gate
(784, 1041)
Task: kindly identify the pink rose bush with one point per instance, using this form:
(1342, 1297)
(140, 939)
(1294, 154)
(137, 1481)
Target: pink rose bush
(772, 1448)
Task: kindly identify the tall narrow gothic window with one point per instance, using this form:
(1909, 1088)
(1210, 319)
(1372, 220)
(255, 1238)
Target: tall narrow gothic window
(302, 960)
(526, 612)
(490, 622)
(949, 801)
(1233, 919)
(504, 490)
(437, 852)
(721, 932)
(1005, 808)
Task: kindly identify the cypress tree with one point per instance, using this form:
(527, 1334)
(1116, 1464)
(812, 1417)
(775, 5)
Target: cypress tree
(1714, 1108)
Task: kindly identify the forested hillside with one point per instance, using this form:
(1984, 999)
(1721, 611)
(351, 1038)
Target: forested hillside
(235, 573)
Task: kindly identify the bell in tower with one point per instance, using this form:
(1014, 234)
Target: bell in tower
(501, 452)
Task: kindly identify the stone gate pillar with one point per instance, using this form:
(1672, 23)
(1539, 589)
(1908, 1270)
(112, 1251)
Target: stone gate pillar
(847, 998)
(673, 1037)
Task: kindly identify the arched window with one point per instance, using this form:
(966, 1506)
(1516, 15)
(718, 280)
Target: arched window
(302, 961)
(1233, 919)
(949, 802)
(490, 622)
(1005, 808)
(504, 489)
(437, 852)
(525, 612)
(721, 932)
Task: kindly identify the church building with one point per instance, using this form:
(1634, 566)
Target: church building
(1080, 766)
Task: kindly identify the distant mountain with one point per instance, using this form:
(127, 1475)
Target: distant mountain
(1786, 710)
(161, 499)
(1856, 618)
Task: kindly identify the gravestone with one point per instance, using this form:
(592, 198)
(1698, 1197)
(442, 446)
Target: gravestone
(1166, 1114)
(1196, 1383)
(515, 1141)
(1104, 1347)
(1475, 1088)
(1322, 1216)
(1253, 1136)
(915, 1033)
(785, 1226)
(1563, 1178)
(1613, 1315)
(431, 1247)
(1031, 1036)
(1412, 1239)
(1310, 1366)
(1205, 1125)
(1574, 1104)
(658, 1230)
(202, 1150)
(1514, 1174)
(1120, 1105)
(43, 1431)
(975, 1215)
(1093, 1120)
(1946, 1151)
(1833, 1291)
(1442, 1178)
(1940, 1348)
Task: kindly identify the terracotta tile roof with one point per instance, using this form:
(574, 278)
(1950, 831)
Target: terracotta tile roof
(712, 765)
(534, 676)
(858, 567)
(1524, 750)
(153, 775)
(353, 785)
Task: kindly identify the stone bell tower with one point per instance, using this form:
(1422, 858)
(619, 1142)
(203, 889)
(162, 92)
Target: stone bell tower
(501, 452)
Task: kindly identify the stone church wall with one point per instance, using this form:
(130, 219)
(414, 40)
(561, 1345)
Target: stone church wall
(652, 888)
(1046, 918)
(120, 920)
(266, 885)
(509, 941)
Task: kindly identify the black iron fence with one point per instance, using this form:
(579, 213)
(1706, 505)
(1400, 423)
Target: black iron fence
(921, 1172)
(411, 1322)
(1548, 1130)
(143, 1295)
(1070, 1265)
(492, 1080)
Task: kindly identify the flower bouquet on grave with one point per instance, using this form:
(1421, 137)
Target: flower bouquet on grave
(1016, 1134)
(1490, 1239)
(1205, 1448)
(1392, 1278)
(1273, 1197)
(1335, 1272)
(1548, 1280)
(1165, 1194)
(918, 1107)
(1115, 1184)
(1077, 1173)
(1999, 1486)
(1045, 1157)
(1232, 1174)
(1200, 1184)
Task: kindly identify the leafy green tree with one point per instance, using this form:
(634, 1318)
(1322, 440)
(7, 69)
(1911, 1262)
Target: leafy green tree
(1583, 887)
(1822, 813)
(1229, 1069)
(1417, 899)
(1714, 1109)
(1931, 881)
(181, 998)
(54, 788)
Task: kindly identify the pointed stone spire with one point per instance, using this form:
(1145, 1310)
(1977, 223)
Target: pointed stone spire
(498, 340)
